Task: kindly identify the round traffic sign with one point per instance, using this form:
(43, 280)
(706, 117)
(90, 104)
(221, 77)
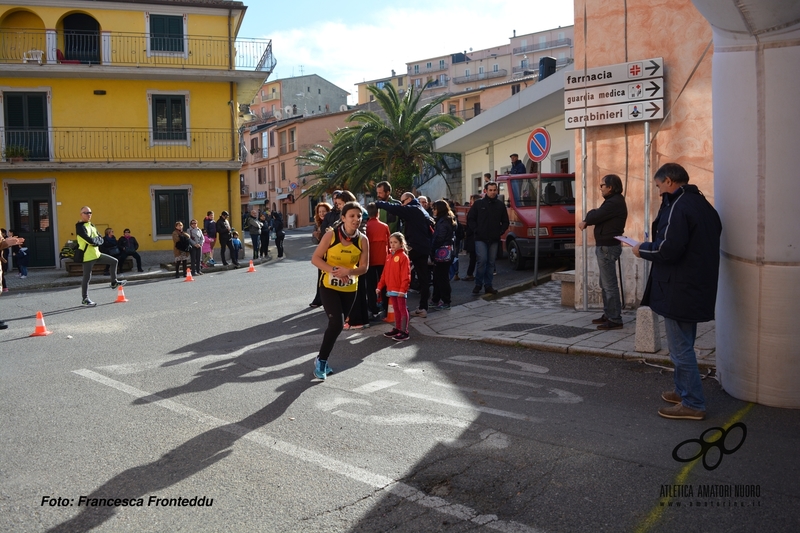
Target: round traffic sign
(293, 186)
(538, 144)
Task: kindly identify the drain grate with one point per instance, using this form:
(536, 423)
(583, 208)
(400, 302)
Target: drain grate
(516, 327)
(564, 332)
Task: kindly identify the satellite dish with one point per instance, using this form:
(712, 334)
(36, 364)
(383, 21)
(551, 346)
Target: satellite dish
(287, 110)
(278, 115)
(343, 107)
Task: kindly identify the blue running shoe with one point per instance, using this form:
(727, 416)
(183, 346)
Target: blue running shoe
(320, 369)
(328, 369)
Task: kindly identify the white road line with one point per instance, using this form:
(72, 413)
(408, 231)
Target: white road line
(518, 372)
(468, 406)
(134, 368)
(530, 367)
(361, 475)
(562, 396)
(478, 391)
(375, 386)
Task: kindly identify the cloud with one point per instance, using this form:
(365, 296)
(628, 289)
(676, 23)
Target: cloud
(346, 52)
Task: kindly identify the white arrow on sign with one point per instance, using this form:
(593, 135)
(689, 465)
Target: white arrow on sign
(633, 70)
(613, 114)
(614, 94)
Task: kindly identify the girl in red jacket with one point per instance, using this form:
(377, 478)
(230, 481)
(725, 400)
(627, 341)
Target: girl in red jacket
(396, 278)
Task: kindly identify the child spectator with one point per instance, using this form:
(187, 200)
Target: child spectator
(396, 278)
(20, 254)
(237, 246)
(207, 251)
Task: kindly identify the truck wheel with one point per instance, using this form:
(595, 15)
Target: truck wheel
(514, 256)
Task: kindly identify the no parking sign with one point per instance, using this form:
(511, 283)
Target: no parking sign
(538, 144)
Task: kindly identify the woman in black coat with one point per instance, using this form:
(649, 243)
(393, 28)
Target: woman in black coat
(443, 236)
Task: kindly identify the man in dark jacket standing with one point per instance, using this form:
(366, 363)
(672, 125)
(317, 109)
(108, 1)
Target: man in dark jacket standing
(487, 219)
(682, 286)
(224, 235)
(608, 221)
(517, 166)
(418, 229)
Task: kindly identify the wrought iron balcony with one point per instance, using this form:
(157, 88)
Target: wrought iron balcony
(502, 73)
(51, 47)
(435, 67)
(94, 145)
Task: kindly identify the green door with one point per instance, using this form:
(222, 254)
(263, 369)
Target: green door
(31, 218)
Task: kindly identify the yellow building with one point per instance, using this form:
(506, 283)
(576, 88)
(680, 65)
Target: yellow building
(130, 108)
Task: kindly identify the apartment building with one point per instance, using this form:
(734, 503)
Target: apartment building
(270, 176)
(298, 95)
(130, 108)
(400, 84)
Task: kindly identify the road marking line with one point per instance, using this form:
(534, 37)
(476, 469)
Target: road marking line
(462, 405)
(375, 386)
(361, 475)
(527, 374)
(478, 391)
(134, 368)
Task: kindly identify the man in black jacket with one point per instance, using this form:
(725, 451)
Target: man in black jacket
(418, 229)
(682, 286)
(487, 219)
(517, 166)
(224, 235)
(608, 221)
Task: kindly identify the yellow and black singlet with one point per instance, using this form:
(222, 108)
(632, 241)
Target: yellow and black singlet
(340, 255)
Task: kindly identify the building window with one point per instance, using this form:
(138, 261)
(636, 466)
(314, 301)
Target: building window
(428, 65)
(514, 89)
(283, 171)
(441, 63)
(169, 120)
(466, 72)
(372, 98)
(380, 84)
(416, 69)
(495, 67)
(399, 82)
(253, 145)
(292, 134)
(561, 36)
(263, 95)
(262, 175)
(480, 70)
(418, 82)
(542, 40)
(170, 205)
(319, 91)
(523, 43)
(166, 33)
(271, 177)
(26, 123)
(272, 138)
(523, 63)
(282, 140)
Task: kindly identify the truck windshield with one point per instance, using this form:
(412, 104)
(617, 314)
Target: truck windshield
(554, 191)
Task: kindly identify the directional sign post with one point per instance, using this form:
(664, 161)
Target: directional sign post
(614, 94)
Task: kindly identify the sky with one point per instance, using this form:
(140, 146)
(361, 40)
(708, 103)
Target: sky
(347, 42)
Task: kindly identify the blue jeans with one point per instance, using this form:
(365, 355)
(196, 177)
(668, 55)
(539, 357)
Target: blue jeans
(680, 340)
(256, 238)
(607, 257)
(484, 270)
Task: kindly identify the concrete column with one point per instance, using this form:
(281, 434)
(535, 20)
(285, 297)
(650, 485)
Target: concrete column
(756, 186)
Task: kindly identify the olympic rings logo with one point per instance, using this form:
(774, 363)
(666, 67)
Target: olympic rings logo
(706, 445)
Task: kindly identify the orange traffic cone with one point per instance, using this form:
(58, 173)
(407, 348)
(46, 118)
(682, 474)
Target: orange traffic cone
(41, 329)
(389, 312)
(120, 296)
(252, 268)
(188, 274)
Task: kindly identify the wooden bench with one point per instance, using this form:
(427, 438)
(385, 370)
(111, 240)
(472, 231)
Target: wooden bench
(76, 269)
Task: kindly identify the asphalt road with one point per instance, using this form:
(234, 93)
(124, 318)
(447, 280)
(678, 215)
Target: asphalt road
(202, 391)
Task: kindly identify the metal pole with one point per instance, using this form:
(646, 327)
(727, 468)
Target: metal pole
(538, 208)
(646, 190)
(584, 245)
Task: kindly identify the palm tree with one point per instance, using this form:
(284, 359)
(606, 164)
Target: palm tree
(374, 148)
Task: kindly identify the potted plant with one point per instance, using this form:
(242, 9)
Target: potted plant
(15, 153)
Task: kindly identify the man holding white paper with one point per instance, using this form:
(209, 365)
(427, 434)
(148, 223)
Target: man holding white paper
(682, 286)
(609, 222)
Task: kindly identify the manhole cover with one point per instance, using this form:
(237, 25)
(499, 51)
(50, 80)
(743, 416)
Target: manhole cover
(564, 332)
(516, 327)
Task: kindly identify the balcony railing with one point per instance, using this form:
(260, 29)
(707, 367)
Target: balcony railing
(434, 68)
(118, 144)
(543, 46)
(133, 50)
(502, 73)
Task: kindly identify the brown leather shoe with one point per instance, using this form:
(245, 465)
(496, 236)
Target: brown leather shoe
(681, 412)
(610, 325)
(671, 396)
(601, 320)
